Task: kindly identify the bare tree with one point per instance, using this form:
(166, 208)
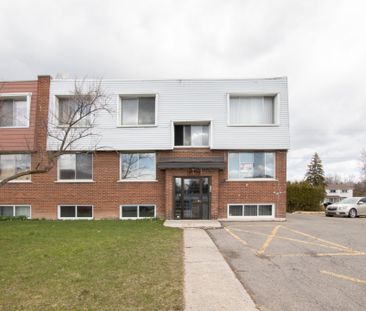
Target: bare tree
(68, 126)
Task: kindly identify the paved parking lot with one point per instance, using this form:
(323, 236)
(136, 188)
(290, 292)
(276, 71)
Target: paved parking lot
(310, 262)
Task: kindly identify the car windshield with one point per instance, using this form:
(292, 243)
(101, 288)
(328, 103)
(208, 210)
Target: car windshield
(349, 201)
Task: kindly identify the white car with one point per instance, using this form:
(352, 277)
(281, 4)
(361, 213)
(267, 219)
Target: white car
(351, 207)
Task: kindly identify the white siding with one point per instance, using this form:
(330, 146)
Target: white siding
(184, 100)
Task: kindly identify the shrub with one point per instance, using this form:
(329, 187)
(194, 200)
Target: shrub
(301, 196)
(11, 218)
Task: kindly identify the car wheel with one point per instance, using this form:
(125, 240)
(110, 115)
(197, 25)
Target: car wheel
(328, 215)
(352, 213)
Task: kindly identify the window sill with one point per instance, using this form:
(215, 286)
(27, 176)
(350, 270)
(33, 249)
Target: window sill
(254, 125)
(74, 181)
(19, 182)
(75, 218)
(14, 127)
(251, 179)
(135, 218)
(191, 147)
(134, 180)
(141, 125)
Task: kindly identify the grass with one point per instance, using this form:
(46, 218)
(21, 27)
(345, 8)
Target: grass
(90, 265)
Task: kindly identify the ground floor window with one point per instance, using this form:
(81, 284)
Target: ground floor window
(137, 211)
(75, 212)
(251, 210)
(15, 210)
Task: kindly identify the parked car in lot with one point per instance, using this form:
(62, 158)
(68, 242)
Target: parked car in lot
(351, 207)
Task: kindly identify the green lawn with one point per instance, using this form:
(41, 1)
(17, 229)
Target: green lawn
(90, 265)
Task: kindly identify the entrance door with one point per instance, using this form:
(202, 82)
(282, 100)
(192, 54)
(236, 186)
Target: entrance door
(192, 198)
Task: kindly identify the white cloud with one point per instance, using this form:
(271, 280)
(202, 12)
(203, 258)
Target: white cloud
(319, 45)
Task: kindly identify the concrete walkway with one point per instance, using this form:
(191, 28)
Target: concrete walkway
(209, 282)
(192, 223)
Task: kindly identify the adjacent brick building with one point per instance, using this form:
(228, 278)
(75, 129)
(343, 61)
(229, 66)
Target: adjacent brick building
(183, 149)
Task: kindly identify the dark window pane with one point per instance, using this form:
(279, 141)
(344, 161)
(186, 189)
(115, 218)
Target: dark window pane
(84, 211)
(146, 110)
(67, 211)
(187, 135)
(84, 166)
(178, 132)
(146, 211)
(250, 210)
(235, 210)
(265, 210)
(6, 211)
(129, 211)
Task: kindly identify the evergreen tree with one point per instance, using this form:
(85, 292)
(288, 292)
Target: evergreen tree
(315, 173)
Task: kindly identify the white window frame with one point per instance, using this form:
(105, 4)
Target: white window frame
(251, 217)
(136, 95)
(20, 181)
(209, 123)
(136, 179)
(74, 180)
(252, 179)
(14, 207)
(56, 119)
(28, 97)
(276, 108)
(138, 211)
(74, 218)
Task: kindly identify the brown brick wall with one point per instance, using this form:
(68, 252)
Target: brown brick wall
(106, 194)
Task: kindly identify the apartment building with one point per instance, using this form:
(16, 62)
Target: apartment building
(173, 149)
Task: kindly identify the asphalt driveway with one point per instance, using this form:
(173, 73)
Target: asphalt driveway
(310, 262)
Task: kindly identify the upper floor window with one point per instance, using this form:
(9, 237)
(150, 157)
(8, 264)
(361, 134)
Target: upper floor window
(71, 110)
(137, 111)
(77, 166)
(138, 166)
(11, 164)
(344, 190)
(191, 135)
(332, 191)
(243, 165)
(252, 110)
(14, 112)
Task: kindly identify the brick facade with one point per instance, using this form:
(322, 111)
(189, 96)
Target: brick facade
(106, 193)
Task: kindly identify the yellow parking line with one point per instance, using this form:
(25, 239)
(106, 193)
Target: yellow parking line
(269, 240)
(316, 254)
(344, 277)
(318, 239)
(291, 239)
(236, 237)
(240, 240)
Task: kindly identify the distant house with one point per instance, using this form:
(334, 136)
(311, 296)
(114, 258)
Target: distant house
(337, 192)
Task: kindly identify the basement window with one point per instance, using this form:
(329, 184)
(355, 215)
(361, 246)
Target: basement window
(250, 210)
(15, 210)
(75, 212)
(137, 211)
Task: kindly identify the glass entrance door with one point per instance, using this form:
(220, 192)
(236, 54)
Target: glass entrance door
(192, 198)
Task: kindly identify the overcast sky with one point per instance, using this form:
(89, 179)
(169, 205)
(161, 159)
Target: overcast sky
(319, 45)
